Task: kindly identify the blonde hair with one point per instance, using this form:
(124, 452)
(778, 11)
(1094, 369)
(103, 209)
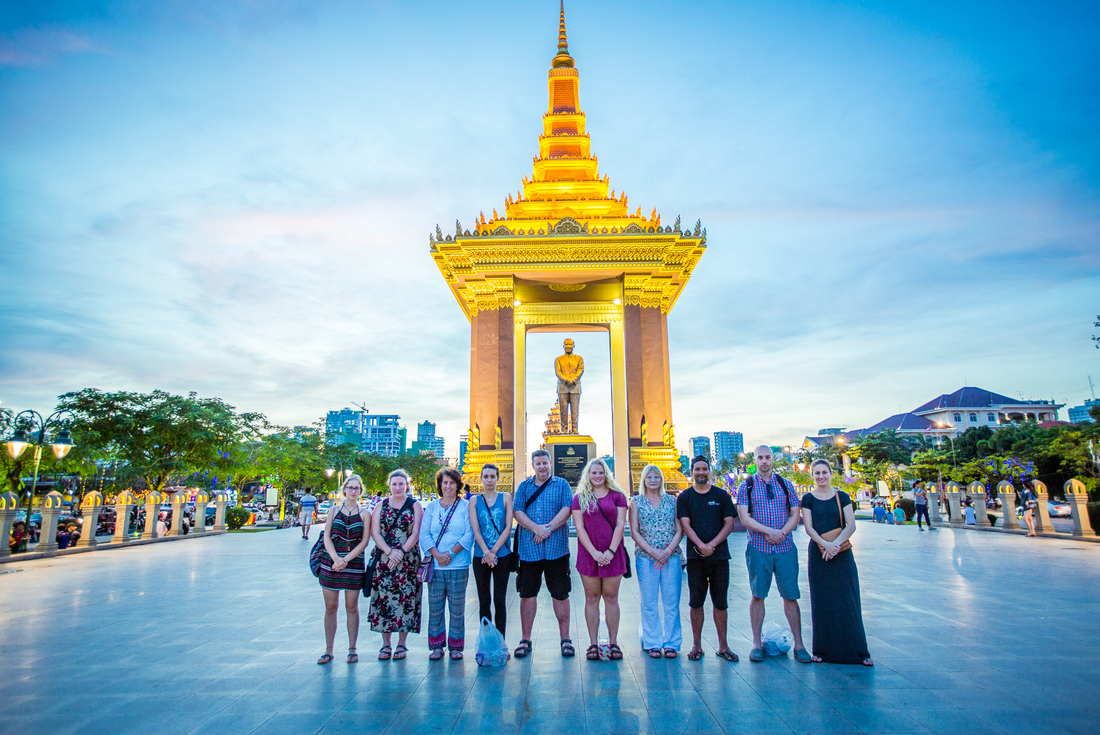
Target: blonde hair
(356, 478)
(642, 489)
(585, 492)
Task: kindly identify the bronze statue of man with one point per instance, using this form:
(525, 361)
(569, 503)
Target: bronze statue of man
(569, 368)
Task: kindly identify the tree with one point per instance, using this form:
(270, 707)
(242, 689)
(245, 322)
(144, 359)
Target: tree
(158, 435)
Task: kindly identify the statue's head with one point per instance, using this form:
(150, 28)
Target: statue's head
(569, 347)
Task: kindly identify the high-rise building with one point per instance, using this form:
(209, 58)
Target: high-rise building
(700, 445)
(463, 440)
(373, 433)
(684, 461)
(403, 439)
(1080, 414)
(343, 427)
(427, 441)
(381, 434)
(728, 445)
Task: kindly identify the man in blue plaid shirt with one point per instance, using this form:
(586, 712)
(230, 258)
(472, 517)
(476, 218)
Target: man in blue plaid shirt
(771, 515)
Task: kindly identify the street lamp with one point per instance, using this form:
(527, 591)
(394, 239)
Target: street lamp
(61, 445)
(939, 424)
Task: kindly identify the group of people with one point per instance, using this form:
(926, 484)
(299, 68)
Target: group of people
(440, 543)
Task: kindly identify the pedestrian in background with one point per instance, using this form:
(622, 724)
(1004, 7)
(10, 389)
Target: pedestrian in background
(920, 501)
(307, 505)
(395, 591)
(599, 515)
(769, 509)
(491, 519)
(446, 535)
(706, 514)
(347, 534)
(656, 532)
(835, 607)
(1029, 501)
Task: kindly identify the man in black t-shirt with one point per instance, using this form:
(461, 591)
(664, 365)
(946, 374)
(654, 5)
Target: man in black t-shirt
(707, 514)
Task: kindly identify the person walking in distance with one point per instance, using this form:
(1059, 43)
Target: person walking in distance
(706, 514)
(920, 501)
(307, 505)
(541, 507)
(769, 508)
(491, 520)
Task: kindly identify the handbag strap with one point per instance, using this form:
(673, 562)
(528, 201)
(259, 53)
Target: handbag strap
(600, 507)
(840, 508)
(446, 522)
(489, 512)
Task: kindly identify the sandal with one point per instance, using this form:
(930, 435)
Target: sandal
(593, 653)
(728, 655)
(567, 650)
(803, 656)
(399, 652)
(436, 654)
(384, 653)
(353, 657)
(868, 662)
(654, 653)
(756, 655)
(325, 659)
(695, 654)
(456, 655)
(523, 650)
(671, 653)
(616, 652)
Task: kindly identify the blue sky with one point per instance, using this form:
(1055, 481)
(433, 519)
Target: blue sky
(235, 198)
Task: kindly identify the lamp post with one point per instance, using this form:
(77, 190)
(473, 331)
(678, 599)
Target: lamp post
(19, 441)
(948, 437)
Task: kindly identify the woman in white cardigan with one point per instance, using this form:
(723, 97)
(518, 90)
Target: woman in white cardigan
(446, 534)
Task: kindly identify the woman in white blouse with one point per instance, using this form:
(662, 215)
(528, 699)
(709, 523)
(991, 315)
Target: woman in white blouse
(446, 534)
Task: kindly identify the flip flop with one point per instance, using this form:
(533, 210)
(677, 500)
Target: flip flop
(436, 654)
(385, 653)
(728, 655)
(399, 652)
(671, 653)
(456, 655)
(654, 653)
(695, 654)
(803, 656)
(756, 655)
(325, 659)
(353, 657)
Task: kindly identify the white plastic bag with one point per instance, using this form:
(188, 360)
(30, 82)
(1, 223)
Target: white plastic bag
(777, 639)
(491, 649)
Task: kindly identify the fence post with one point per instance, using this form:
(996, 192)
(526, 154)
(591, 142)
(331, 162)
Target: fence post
(977, 498)
(152, 514)
(220, 499)
(1042, 513)
(954, 503)
(51, 507)
(123, 502)
(1078, 497)
(92, 505)
(1006, 491)
(9, 506)
(179, 499)
(201, 500)
(934, 505)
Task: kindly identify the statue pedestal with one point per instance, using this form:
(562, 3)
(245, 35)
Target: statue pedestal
(569, 453)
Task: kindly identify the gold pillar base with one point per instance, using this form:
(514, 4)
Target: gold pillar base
(502, 458)
(667, 458)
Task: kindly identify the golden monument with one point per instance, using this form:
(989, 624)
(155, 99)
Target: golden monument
(569, 256)
(569, 369)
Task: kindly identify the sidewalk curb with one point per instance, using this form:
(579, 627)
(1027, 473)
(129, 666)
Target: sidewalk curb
(104, 546)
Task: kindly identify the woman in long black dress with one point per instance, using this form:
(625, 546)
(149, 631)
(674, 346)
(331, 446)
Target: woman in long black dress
(837, 614)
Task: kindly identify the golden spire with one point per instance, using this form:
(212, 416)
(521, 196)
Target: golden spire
(563, 59)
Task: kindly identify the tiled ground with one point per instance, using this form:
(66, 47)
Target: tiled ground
(973, 633)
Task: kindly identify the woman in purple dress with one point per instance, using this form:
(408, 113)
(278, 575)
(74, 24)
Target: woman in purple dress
(599, 513)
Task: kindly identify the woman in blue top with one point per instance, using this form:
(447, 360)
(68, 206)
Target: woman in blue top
(446, 534)
(491, 519)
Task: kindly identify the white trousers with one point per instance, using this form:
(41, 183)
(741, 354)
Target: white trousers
(660, 588)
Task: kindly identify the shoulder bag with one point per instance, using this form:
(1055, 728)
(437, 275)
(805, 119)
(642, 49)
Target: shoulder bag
(628, 573)
(831, 535)
(427, 567)
(318, 555)
(513, 555)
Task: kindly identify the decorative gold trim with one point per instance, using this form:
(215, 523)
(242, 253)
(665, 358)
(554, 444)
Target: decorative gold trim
(567, 287)
(476, 458)
(667, 458)
(575, 312)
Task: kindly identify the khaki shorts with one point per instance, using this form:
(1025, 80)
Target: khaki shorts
(782, 566)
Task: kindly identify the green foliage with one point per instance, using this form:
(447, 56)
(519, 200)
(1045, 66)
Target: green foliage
(236, 517)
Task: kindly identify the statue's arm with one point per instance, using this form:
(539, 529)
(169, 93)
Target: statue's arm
(580, 368)
(558, 370)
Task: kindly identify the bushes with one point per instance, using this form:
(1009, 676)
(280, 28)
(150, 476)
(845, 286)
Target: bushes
(1094, 514)
(236, 517)
(908, 506)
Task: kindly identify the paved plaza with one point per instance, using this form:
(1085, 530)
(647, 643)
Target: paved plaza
(972, 633)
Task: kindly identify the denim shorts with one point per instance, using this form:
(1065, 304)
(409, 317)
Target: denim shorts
(762, 567)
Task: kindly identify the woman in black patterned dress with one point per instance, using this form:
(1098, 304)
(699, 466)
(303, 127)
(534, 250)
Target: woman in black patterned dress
(395, 594)
(347, 533)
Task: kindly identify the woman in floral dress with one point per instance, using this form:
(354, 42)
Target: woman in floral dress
(395, 593)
